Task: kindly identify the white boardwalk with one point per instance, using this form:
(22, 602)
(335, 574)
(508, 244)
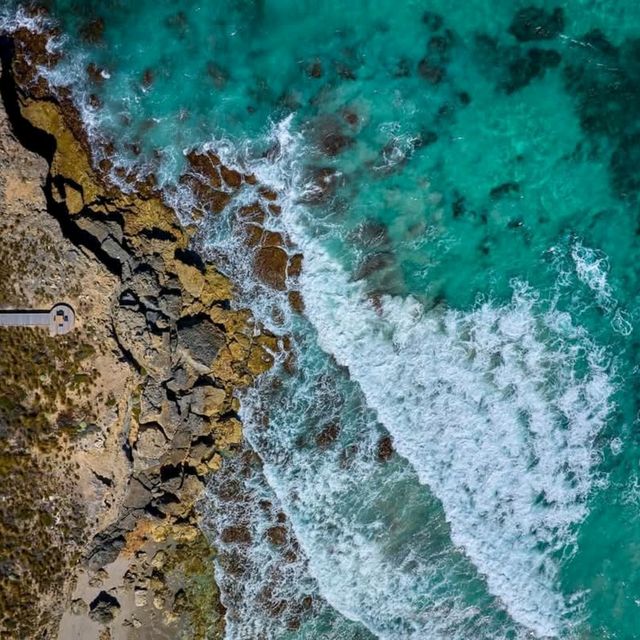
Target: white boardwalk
(60, 319)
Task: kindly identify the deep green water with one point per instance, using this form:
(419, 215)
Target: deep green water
(486, 190)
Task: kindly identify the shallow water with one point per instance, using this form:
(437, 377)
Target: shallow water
(470, 286)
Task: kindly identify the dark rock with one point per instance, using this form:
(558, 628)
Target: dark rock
(465, 98)
(385, 448)
(325, 181)
(534, 23)
(372, 263)
(97, 228)
(94, 101)
(106, 548)
(234, 563)
(504, 189)
(236, 535)
(328, 435)
(334, 143)
(116, 251)
(295, 265)
(276, 535)
(200, 338)
(147, 78)
(103, 608)
(371, 234)
(231, 177)
(351, 117)
(270, 265)
(95, 73)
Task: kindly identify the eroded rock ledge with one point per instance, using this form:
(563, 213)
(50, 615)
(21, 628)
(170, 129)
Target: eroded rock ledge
(146, 567)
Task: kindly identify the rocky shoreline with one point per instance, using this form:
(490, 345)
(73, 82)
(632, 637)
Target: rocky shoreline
(147, 409)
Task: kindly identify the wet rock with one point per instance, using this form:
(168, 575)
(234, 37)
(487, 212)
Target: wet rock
(206, 164)
(147, 78)
(535, 23)
(231, 177)
(328, 435)
(236, 535)
(276, 535)
(103, 608)
(335, 143)
(373, 263)
(385, 449)
(294, 268)
(371, 234)
(325, 181)
(402, 68)
(95, 73)
(296, 302)
(270, 265)
(200, 338)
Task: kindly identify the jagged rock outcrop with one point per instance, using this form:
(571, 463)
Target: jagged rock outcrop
(187, 351)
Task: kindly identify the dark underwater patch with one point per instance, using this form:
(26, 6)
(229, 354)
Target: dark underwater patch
(515, 66)
(605, 81)
(533, 64)
(534, 23)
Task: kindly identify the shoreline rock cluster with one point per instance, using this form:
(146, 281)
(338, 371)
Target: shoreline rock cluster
(183, 351)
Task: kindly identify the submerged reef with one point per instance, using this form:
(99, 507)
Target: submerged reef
(109, 434)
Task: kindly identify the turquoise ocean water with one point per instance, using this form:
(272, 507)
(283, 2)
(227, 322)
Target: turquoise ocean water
(463, 182)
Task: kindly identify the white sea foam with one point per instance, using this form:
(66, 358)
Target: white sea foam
(592, 268)
(376, 541)
(13, 18)
(486, 405)
(492, 419)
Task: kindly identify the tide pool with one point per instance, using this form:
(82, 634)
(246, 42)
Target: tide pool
(462, 182)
